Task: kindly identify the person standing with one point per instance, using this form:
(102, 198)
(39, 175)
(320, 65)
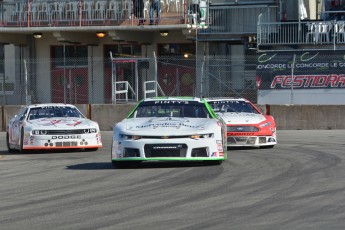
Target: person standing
(139, 11)
(155, 6)
(194, 9)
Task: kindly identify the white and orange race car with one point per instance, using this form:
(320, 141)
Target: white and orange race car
(246, 124)
(52, 126)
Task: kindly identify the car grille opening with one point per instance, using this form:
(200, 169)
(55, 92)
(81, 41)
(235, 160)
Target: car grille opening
(130, 152)
(262, 139)
(242, 129)
(67, 131)
(165, 150)
(199, 152)
(241, 140)
(66, 144)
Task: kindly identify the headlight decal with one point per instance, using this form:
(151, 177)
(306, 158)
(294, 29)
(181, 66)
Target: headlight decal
(129, 137)
(266, 124)
(39, 132)
(202, 136)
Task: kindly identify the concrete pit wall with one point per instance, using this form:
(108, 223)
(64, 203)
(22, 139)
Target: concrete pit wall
(288, 117)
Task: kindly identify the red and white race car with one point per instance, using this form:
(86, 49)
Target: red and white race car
(52, 126)
(246, 124)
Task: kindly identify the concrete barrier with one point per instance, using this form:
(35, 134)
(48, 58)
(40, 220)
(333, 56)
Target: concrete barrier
(288, 117)
(108, 115)
(8, 112)
(306, 117)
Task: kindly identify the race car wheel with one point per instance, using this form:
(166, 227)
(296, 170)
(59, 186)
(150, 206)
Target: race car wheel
(119, 164)
(10, 150)
(213, 162)
(21, 142)
(90, 149)
(267, 147)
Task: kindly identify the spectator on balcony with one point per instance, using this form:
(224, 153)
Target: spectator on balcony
(139, 11)
(194, 10)
(337, 15)
(155, 6)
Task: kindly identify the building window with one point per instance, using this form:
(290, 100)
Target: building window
(176, 49)
(74, 56)
(123, 50)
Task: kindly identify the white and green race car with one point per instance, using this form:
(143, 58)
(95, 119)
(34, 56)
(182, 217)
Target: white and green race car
(169, 129)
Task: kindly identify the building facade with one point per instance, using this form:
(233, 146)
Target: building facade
(87, 51)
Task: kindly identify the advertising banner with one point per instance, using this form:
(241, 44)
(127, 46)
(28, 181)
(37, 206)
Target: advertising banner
(301, 70)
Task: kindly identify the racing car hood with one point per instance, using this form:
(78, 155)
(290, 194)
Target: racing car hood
(242, 118)
(62, 122)
(167, 125)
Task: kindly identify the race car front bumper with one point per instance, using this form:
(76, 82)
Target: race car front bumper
(168, 150)
(74, 141)
(251, 141)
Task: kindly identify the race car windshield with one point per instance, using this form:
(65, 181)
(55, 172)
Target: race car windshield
(192, 111)
(232, 106)
(54, 111)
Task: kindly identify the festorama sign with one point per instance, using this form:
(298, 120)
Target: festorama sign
(301, 70)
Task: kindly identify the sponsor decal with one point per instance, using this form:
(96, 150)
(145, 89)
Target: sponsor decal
(265, 57)
(177, 102)
(118, 149)
(307, 57)
(66, 137)
(214, 154)
(220, 148)
(309, 81)
(241, 134)
(166, 147)
(75, 123)
(55, 122)
(167, 125)
(221, 154)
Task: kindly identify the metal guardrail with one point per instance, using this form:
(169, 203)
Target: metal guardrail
(301, 33)
(154, 90)
(224, 19)
(86, 13)
(122, 87)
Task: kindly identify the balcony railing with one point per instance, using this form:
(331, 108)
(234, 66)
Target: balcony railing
(225, 19)
(87, 13)
(301, 33)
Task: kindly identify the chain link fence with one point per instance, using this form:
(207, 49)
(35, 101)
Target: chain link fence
(120, 80)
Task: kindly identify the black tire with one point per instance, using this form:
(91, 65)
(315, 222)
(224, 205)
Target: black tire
(10, 150)
(90, 149)
(267, 147)
(119, 164)
(210, 163)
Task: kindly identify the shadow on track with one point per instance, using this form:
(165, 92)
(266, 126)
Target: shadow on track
(143, 165)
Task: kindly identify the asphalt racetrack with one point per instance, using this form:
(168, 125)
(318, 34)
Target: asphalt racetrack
(299, 184)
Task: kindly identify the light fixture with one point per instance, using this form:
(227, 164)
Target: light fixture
(100, 34)
(164, 33)
(37, 35)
